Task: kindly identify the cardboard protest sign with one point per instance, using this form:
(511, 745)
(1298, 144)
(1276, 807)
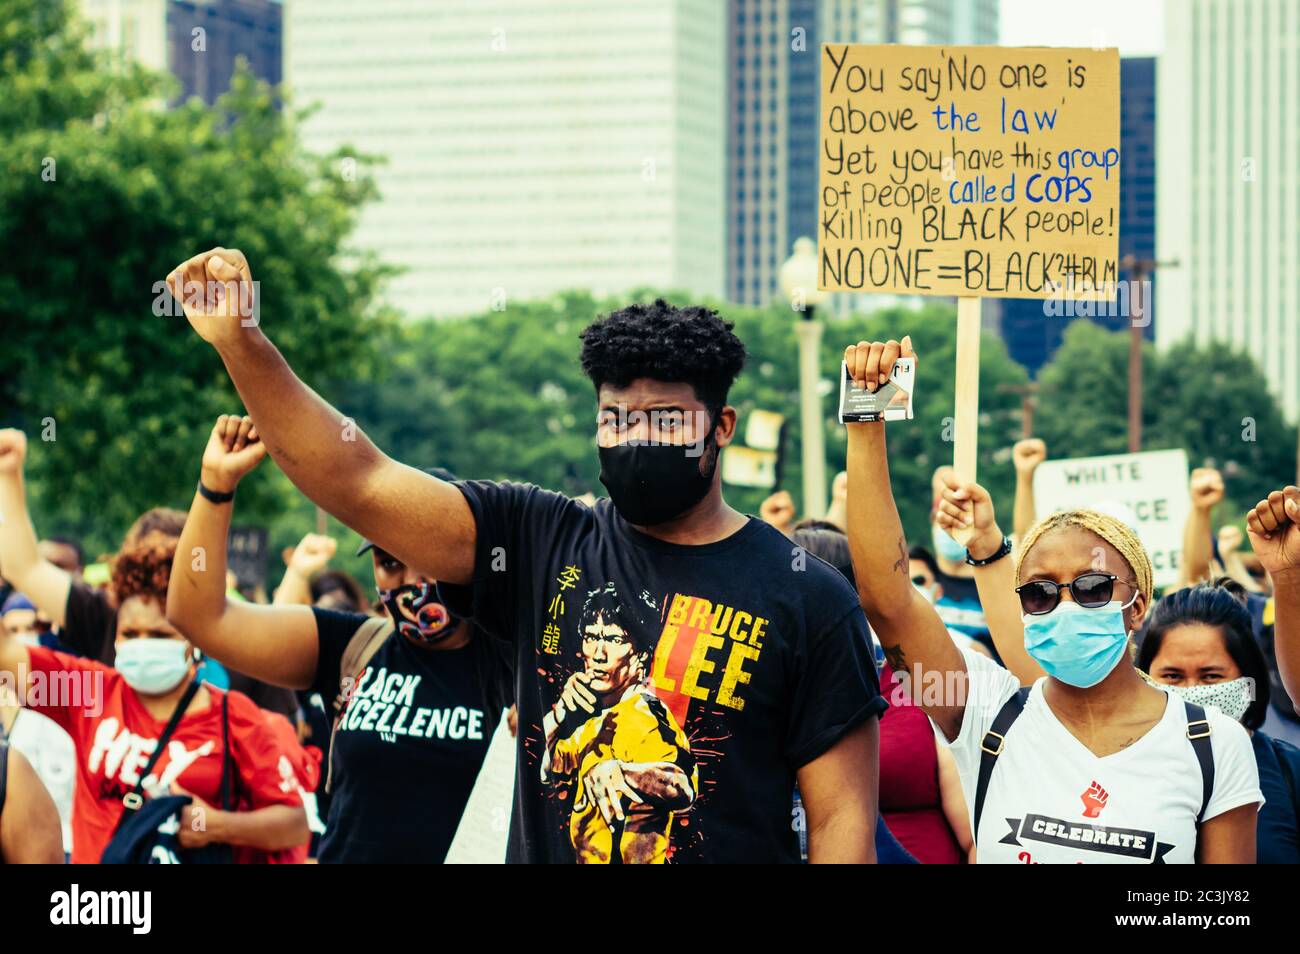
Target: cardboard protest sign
(1149, 488)
(969, 171)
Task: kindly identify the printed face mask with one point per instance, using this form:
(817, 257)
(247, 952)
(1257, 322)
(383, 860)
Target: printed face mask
(1232, 697)
(153, 665)
(1077, 645)
(417, 613)
(946, 546)
(651, 484)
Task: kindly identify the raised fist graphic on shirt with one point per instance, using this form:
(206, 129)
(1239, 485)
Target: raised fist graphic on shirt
(1094, 800)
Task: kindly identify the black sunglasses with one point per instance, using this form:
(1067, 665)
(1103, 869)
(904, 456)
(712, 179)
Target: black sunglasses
(1091, 590)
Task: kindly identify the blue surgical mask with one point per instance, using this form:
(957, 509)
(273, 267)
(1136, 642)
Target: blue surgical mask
(946, 546)
(153, 665)
(1076, 644)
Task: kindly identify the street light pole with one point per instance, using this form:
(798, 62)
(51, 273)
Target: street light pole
(1138, 269)
(809, 332)
(798, 280)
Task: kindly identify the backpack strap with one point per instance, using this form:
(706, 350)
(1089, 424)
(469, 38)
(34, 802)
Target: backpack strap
(991, 747)
(227, 760)
(135, 798)
(361, 648)
(1198, 733)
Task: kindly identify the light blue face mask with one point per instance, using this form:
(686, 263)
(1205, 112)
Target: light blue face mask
(1078, 645)
(946, 546)
(153, 665)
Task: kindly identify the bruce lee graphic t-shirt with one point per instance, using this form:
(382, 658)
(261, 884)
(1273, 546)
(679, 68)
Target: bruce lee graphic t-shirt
(1052, 801)
(667, 694)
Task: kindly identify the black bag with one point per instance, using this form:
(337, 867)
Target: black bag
(148, 831)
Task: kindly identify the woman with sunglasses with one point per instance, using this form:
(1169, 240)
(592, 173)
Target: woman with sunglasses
(1198, 642)
(1090, 764)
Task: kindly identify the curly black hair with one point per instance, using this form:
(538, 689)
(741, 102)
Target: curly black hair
(689, 345)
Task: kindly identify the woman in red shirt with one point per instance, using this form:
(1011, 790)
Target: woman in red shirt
(116, 715)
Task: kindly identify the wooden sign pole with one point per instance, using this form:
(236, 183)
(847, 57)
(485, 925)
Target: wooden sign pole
(966, 412)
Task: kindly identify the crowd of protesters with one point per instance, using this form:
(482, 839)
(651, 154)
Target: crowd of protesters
(685, 683)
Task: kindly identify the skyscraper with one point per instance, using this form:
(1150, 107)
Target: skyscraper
(1229, 182)
(1031, 335)
(197, 41)
(774, 96)
(530, 147)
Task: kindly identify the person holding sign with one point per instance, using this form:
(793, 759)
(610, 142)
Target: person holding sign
(1091, 763)
(769, 668)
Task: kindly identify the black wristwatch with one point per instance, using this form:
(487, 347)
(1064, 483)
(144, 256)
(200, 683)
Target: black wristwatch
(215, 496)
(997, 554)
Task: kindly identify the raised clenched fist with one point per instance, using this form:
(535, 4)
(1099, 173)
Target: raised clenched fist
(13, 451)
(217, 292)
(233, 450)
(778, 510)
(1206, 488)
(312, 554)
(1273, 525)
(1026, 455)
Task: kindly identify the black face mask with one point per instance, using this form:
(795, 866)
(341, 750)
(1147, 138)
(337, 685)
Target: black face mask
(651, 484)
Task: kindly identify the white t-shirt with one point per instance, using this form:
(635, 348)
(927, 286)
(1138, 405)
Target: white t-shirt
(54, 760)
(1051, 801)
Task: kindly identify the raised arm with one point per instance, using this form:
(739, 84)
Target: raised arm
(309, 559)
(1206, 489)
(1274, 529)
(1026, 455)
(966, 514)
(39, 580)
(909, 629)
(419, 519)
(277, 644)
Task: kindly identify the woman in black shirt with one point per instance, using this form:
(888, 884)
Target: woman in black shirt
(416, 696)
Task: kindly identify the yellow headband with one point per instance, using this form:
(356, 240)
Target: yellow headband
(1114, 532)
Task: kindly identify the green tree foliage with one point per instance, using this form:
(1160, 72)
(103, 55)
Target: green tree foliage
(102, 193)
(501, 395)
(1211, 400)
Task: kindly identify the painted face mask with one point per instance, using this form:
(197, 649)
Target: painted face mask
(1076, 644)
(153, 665)
(1232, 697)
(417, 612)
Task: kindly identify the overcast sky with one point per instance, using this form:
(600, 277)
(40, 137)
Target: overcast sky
(1137, 27)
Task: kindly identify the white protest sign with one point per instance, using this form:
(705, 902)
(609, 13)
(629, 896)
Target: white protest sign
(1152, 486)
(481, 836)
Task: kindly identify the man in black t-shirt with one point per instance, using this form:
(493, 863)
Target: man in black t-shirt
(760, 652)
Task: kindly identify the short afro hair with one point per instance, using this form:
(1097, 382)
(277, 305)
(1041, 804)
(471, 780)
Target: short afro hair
(690, 345)
(143, 568)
